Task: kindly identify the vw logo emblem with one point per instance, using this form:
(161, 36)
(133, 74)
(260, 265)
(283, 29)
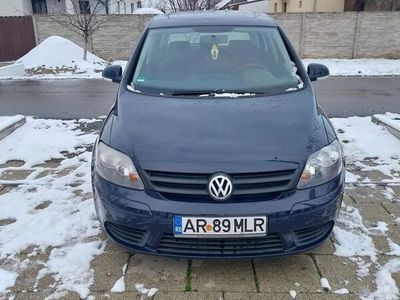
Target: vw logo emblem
(220, 187)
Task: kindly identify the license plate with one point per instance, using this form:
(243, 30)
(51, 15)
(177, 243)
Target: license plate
(215, 227)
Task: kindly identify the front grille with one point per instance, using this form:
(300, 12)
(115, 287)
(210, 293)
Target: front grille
(305, 237)
(126, 235)
(244, 184)
(270, 244)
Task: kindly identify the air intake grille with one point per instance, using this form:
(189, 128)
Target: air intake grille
(313, 234)
(203, 247)
(245, 184)
(126, 235)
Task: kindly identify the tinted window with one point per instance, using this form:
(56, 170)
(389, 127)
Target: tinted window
(215, 59)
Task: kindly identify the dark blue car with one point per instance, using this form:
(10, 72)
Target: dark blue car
(216, 146)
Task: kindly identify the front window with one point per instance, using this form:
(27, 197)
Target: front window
(215, 60)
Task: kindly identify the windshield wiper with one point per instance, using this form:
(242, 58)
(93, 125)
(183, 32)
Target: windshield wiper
(213, 93)
(196, 93)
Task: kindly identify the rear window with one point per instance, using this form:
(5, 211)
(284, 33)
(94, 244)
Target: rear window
(215, 60)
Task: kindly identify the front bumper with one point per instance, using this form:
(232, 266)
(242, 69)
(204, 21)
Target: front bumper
(298, 220)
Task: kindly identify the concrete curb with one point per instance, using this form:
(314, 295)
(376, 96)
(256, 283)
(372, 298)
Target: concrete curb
(378, 121)
(10, 128)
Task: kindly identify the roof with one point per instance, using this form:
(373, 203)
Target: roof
(221, 4)
(199, 18)
(247, 2)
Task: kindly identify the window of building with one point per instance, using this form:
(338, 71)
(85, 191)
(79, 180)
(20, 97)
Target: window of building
(124, 8)
(84, 7)
(132, 7)
(300, 4)
(284, 8)
(275, 7)
(39, 6)
(139, 4)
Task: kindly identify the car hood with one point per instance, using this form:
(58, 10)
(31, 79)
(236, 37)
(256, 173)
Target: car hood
(245, 134)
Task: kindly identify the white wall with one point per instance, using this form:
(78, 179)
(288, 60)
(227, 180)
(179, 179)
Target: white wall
(15, 7)
(258, 7)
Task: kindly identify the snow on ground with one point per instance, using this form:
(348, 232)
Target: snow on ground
(363, 140)
(7, 121)
(55, 209)
(359, 67)
(7, 279)
(119, 285)
(57, 57)
(369, 147)
(147, 11)
(391, 119)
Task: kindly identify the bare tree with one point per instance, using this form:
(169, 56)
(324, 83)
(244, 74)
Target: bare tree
(83, 18)
(183, 5)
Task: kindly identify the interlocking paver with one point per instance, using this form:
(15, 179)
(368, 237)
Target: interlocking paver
(327, 247)
(393, 208)
(15, 174)
(12, 164)
(189, 296)
(165, 274)
(40, 295)
(107, 269)
(281, 274)
(222, 275)
(119, 296)
(255, 296)
(366, 194)
(372, 213)
(280, 296)
(341, 273)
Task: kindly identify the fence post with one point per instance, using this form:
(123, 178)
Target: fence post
(35, 29)
(356, 36)
(302, 34)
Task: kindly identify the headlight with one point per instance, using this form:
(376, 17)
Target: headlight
(117, 167)
(322, 166)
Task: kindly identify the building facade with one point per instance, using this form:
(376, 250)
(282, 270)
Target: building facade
(28, 7)
(282, 6)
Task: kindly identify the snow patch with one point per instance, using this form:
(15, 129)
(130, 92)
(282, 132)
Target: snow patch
(359, 67)
(147, 11)
(7, 279)
(342, 291)
(7, 121)
(119, 285)
(66, 221)
(71, 267)
(145, 291)
(386, 285)
(325, 284)
(61, 58)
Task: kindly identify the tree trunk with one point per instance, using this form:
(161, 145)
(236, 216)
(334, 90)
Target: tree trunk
(85, 48)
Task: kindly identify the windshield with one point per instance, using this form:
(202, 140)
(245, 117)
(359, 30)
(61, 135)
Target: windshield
(215, 60)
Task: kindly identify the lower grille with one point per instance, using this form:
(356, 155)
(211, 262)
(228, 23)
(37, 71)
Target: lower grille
(126, 235)
(305, 237)
(213, 247)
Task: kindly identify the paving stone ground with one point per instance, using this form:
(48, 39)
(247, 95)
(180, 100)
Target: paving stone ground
(271, 278)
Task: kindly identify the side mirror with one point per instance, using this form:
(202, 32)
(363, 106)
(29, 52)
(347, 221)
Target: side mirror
(113, 72)
(316, 71)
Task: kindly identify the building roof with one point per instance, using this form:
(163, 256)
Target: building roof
(200, 18)
(221, 4)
